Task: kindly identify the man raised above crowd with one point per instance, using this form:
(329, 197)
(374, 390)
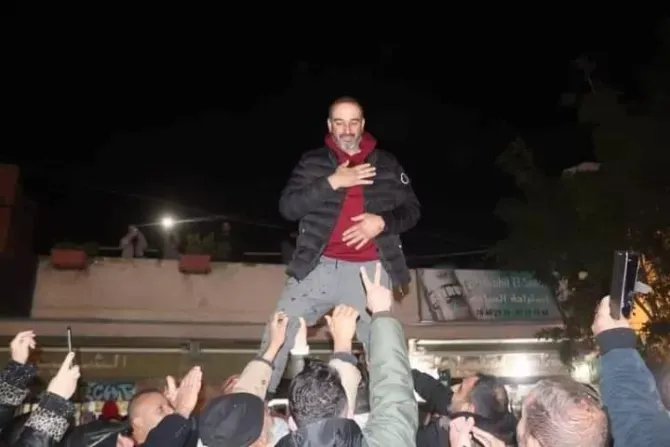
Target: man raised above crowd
(352, 201)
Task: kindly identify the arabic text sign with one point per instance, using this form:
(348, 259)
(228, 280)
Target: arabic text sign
(103, 391)
(88, 361)
(467, 295)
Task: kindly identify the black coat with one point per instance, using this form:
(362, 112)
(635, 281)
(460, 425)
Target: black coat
(309, 198)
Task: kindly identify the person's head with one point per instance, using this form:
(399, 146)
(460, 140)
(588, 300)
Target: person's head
(145, 411)
(346, 123)
(132, 229)
(562, 413)
(238, 419)
(316, 393)
(662, 375)
(480, 394)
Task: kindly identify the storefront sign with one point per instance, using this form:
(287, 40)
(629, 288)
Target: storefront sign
(467, 295)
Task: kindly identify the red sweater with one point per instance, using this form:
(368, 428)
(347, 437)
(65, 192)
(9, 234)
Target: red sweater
(353, 205)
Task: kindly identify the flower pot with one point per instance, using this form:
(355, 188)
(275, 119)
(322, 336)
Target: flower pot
(195, 264)
(69, 259)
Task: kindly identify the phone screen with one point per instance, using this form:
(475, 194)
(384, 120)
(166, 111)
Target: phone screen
(624, 276)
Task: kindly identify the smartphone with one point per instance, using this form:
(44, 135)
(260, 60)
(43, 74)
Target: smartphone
(624, 276)
(69, 339)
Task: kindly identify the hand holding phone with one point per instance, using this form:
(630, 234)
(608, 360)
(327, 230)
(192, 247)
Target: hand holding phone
(622, 289)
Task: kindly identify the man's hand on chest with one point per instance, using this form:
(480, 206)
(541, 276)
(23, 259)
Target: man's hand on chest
(365, 227)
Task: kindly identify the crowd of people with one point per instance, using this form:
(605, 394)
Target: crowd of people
(351, 402)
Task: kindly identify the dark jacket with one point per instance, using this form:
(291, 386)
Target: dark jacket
(309, 198)
(95, 434)
(12, 431)
(13, 389)
(628, 390)
(437, 396)
(47, 424)
(438, 400)
(174, 431)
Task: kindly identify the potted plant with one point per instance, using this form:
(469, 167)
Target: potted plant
(72, 256)
(198, 252)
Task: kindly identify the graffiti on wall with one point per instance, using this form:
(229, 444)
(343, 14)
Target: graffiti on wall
(104, 391)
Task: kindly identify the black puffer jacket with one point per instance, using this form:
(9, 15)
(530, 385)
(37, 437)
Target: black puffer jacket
(309, 198)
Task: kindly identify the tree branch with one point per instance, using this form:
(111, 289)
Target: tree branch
(646, 311)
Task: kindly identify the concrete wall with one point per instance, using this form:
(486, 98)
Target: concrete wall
(150, 298)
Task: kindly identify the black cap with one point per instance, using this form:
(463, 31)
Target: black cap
(235, 419)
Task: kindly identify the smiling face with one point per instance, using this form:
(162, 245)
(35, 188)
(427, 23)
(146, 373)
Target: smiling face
(346, 124)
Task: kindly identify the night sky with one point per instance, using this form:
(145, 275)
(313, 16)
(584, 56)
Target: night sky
(112, 127)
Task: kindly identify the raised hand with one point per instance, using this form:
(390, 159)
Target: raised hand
(486, 439)
(379, 298)
(21, 346)
(460, 432)
(367, 227)
(603, 320)
(278, 326)
(300, 340)
(342, 325)
(188, 392)
(170, 390)
(64, 383)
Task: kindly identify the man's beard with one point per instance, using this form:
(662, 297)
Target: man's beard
(348, 142)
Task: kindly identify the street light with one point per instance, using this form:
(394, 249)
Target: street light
(167, 222)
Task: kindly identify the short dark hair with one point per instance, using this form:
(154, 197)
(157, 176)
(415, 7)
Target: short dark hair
(489, 396)
(316, 393)
(343, 100)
